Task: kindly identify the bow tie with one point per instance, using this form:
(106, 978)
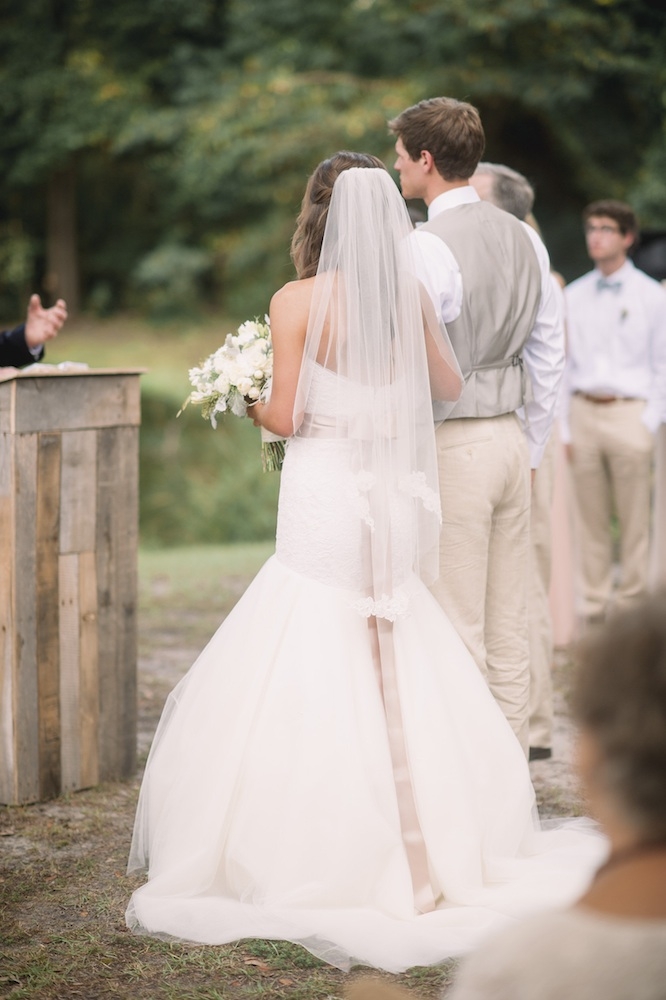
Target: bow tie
(612, 286)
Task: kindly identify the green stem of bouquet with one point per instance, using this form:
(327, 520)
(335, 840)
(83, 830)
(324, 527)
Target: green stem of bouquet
(272, 455)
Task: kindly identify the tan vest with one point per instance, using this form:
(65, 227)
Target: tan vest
(501, 293)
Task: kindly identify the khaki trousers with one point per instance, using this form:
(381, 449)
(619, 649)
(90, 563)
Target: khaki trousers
(484, 550)
(562, 575)
(658, 568)
(538, 605)
(611, 473)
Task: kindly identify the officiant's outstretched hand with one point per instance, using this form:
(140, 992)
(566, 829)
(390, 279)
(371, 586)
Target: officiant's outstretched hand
(43, 324)
(25, 343)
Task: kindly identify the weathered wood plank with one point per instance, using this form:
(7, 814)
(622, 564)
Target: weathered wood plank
(76, 402)
(69, 673)
(78, 495)
(7, 622)
(7, 681)
(6, 468)
(128, 542)
(26, 697)
(89, 705)
(117, 478)
(48, 652)
(7, 397)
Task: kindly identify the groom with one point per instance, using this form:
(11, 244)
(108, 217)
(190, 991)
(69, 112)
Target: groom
(488, 275)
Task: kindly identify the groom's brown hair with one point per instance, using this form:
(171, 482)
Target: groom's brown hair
(450, 130)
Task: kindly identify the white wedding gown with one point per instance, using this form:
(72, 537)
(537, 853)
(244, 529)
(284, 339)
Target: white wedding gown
(276, 799)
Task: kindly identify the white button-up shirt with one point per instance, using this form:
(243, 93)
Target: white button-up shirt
(543, 352)
(617, 341)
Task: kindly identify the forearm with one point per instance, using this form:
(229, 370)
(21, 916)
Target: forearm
(544, 360)
(263, 415)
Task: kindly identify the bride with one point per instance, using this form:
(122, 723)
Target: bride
(333, 770)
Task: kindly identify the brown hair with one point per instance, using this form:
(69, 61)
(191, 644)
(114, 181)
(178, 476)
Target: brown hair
(311, 222)
(619, 211)
(620, 699)
(450, 130)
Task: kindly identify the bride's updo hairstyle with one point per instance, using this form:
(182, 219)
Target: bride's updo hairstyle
(311, 222)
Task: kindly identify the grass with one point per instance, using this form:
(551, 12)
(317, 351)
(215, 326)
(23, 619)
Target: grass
(167, 350)
(192, 575)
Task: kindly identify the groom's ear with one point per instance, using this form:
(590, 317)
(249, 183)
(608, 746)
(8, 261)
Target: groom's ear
(427, 161)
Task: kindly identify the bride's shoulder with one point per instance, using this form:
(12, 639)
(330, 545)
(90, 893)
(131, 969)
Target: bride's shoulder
(293, 299)
(301, 288)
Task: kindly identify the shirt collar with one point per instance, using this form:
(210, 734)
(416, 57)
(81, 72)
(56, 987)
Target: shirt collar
(620, 275)
(464, 195)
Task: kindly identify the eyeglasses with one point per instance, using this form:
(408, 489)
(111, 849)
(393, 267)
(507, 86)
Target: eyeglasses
(601, 229)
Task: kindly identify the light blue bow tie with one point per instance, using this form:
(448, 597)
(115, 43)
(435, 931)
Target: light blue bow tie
(612, 286)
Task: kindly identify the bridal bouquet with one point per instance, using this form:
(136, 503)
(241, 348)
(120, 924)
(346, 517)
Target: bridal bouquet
(236, 375)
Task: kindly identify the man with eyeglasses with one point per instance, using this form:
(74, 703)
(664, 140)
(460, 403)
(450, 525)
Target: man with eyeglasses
(615, 400)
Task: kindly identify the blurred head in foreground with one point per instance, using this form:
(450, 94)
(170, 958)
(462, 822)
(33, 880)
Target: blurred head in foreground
(620, 708)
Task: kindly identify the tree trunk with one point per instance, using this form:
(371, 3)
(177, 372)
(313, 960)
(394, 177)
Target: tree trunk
(62, 263)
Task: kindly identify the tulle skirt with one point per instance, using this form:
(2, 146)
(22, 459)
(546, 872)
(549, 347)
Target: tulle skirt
(270, 806)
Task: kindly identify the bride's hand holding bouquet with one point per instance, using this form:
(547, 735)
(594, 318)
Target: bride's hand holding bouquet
(237, 376)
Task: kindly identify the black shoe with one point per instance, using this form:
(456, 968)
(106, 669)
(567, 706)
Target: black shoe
(540, 753)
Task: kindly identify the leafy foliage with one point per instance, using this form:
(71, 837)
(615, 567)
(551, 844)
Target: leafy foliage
(193, 124)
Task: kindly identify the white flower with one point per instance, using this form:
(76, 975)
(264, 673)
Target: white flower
(248, 332)
(244, 385)
(237, 372)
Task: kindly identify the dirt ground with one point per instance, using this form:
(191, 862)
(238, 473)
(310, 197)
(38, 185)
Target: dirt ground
(63, 888)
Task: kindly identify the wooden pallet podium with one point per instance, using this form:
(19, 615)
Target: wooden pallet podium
(68, 564)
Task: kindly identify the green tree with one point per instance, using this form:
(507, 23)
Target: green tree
(72, 73)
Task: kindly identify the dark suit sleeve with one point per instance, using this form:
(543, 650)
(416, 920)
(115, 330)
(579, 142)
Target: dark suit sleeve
(14, 351)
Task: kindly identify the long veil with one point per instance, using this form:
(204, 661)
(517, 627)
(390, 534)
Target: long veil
(372, 326)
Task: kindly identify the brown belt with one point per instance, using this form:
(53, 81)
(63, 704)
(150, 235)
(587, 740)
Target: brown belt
(606, 399)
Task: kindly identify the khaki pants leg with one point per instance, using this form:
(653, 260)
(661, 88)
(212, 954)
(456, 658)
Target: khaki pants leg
(630, 448)
(484, 486)
(658, 558)
(538, 606)
(562, 576)
(592, 493)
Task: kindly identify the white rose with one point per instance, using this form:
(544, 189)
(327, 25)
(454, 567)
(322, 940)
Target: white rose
(234, 372)
(255, 355)
(247, 332)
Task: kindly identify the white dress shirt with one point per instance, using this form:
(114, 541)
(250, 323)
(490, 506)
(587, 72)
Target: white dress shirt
(616, 341)
(543, 352)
